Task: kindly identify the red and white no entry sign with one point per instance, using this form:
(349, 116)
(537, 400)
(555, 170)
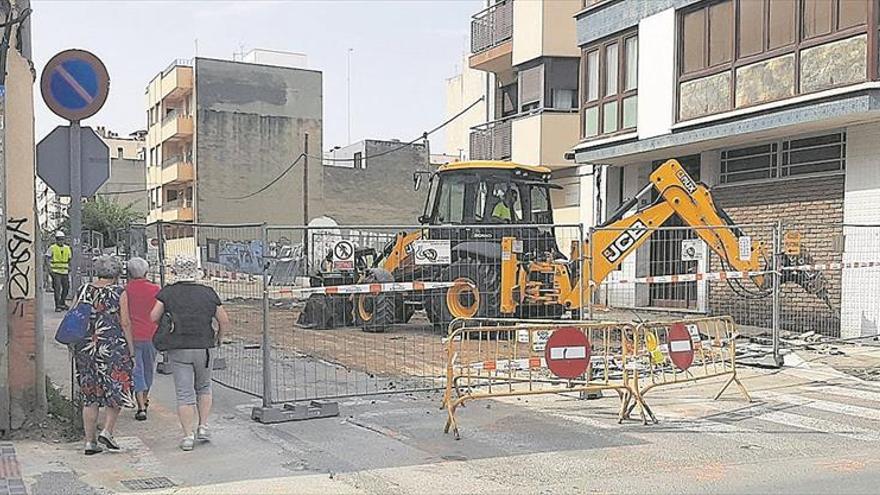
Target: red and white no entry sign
(567, 353)
(681, 347)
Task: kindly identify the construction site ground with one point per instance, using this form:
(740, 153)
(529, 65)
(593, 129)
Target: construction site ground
(809, 429)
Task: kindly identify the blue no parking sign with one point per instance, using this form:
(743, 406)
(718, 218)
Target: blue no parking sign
(75, 84)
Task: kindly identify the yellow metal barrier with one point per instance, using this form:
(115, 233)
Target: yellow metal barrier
(516, 358)
(689, 350)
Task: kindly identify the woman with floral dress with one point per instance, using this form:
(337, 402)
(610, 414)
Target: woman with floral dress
(104, 360)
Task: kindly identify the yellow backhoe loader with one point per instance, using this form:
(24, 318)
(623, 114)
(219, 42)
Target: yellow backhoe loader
(497, 219)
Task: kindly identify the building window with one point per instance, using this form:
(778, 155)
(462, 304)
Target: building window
(358, 160)
(730, 38)
(531, 88)
(782, 159)
(610, 81)
(119, 152)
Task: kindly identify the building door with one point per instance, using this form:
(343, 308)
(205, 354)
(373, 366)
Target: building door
(665, 253)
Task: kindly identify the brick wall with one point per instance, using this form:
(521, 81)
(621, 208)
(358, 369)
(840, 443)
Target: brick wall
(813, 207)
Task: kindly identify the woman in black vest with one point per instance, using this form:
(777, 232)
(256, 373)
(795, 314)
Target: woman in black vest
(194, 309)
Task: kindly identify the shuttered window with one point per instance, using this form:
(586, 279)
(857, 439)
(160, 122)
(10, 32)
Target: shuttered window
(531, 87)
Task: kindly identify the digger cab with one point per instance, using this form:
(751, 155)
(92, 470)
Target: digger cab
(491, 200)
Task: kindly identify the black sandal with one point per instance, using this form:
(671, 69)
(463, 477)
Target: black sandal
(141, 415)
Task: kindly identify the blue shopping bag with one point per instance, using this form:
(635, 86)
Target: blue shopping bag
(74, 327)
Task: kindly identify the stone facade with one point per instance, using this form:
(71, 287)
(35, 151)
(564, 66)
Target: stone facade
(704, 96)
(765, 81)
(834, 64)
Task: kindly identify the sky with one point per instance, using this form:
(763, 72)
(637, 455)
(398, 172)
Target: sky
(403, 53)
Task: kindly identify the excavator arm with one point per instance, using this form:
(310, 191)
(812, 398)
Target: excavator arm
(678, 194)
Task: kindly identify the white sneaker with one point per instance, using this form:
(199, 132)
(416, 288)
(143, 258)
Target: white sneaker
(203, 434)
(187, 444)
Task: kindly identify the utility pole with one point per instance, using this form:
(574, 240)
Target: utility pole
(348, 92)
(306, 180)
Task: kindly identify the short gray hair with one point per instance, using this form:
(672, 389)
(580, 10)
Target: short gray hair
(107, 266)
(137, 267)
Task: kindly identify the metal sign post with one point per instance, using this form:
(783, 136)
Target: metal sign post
(75, 206)
(74, 85)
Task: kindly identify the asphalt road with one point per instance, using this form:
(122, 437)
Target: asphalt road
(809, 430)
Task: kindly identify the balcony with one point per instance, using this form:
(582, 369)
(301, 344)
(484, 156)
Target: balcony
(176, 126)
(177, 169)
(491, 141)
(492, 38)
(542, 137)
(177, 80)
(179, 210)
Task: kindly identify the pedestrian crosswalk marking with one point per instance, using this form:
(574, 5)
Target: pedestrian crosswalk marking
(824, 405)
(820, 425)
(849, 392)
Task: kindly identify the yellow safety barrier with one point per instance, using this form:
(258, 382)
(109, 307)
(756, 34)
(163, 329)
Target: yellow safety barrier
(689, 350)
(516, 358)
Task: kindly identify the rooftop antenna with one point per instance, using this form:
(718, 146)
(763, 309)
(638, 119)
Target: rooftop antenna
(239, 55)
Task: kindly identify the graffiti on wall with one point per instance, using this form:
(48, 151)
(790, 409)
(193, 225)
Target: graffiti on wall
(240, 256)
(19, 246)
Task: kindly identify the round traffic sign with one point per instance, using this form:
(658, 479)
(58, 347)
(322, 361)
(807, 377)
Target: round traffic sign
(75, 84)
(681, 347)
(567, 353)
(343, 250)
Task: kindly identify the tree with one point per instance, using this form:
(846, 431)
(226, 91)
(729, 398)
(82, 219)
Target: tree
(106, 217)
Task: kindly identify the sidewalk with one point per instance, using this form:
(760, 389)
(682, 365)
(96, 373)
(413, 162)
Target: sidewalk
(810, 429)
(392, 432)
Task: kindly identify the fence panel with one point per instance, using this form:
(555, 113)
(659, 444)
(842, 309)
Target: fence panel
(360, 310)
(680, 271)
(231, 260)
(841, 263)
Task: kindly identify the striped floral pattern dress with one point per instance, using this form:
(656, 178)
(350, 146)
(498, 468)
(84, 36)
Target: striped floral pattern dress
(103, 362)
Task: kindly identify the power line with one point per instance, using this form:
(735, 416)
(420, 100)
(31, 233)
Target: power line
(270, 184)
(303, 155)
(409, 143)
(387, 152)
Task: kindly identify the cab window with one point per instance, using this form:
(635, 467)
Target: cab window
(540, 205)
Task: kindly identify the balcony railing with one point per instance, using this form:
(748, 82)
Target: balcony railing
(176, 204)
(492, 140)
(179, 62)
(175, 159)
(173, 114)
(492, 26)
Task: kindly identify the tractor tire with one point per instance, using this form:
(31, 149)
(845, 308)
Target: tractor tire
(477, 296)
(375, 313)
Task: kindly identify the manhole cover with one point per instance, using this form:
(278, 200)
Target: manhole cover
(148, 483)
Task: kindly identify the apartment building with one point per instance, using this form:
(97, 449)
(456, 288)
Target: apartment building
(126, 185)
(772, 103)
(528, 49)
(219, 130)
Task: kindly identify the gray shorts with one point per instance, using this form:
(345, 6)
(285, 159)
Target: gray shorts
(192, 373)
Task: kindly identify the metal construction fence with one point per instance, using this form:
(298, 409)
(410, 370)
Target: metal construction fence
(770, 278)
(325, 312)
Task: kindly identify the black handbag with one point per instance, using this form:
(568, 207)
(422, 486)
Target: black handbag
(162, 339)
